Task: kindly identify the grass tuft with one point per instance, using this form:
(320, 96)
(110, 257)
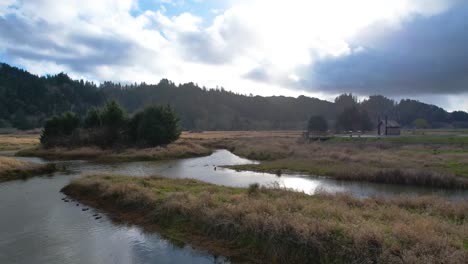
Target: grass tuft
(13, 169)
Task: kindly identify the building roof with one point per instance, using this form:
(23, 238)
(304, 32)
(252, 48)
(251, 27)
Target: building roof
(390, 123)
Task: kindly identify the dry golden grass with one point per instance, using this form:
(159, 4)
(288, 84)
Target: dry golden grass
(385, 162)
(7, 163)
(281, 226)
(241, 134)
(176, 150)
(11, 169)
(18, 141)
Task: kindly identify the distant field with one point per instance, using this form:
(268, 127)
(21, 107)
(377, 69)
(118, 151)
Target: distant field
(407, 139)
(18, 141)
(241, 134)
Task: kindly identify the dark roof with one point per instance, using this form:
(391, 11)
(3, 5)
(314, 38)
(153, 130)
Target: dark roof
(390, 123)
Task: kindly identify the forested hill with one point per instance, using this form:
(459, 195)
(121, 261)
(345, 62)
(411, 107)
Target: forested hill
(27, 100)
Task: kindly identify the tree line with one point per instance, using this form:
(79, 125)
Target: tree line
(111, 126)
(27, 101)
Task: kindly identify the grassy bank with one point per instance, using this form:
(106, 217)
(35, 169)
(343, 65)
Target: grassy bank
(179, 149)
(13, 169)
(407, 139)
(408, 176)
(427, 164)
(280, 226)
(18, 141)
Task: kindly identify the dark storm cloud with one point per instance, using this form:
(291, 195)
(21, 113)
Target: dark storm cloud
(37, 42)
(424, 55)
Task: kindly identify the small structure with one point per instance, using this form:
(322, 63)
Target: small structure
(388, 127)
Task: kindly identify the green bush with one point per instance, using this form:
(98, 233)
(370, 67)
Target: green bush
(109, 126)
(93, 118)
(113, 115)
(59, 127)
(155, 125)
(317, 124)
(114, 120)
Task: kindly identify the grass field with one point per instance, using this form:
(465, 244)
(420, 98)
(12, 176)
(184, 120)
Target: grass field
(436, 158)
(18, 141)
(13, 169)
(281, 226)
(179, 149)
(437, 161)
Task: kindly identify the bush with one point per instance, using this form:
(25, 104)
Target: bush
(353, 119)
(93, 118)
(253, 188)
(114, 120)
(317, 124)
(59, 127)
(155, 125)
(113, 115)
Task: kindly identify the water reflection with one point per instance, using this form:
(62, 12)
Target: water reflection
(209, 169)
(36, 226)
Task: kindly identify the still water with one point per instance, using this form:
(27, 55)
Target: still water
(36, 226)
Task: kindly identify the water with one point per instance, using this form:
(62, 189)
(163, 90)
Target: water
(36, 226)
(204, 169)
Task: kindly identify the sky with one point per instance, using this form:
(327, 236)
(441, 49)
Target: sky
(398, 48)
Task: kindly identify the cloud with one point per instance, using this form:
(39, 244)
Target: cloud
(423, 55)
(263, 47)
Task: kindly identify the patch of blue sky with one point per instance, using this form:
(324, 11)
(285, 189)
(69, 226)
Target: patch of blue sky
(206, 9)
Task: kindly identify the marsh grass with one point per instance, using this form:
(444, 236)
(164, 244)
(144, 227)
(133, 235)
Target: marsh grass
(13, 169)
(177, 150)
(380, 162)
(281, 226)
(18, 141)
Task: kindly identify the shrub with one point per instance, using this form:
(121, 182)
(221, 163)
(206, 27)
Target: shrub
(155, 125)
(317, 124)
(253, 188)
(59, 127)
(93, 118)
(114, 119)
(113, 115)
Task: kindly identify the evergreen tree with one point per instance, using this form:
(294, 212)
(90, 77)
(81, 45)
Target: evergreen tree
(317, 124)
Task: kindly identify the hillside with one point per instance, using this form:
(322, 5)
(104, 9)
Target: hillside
(27, 100)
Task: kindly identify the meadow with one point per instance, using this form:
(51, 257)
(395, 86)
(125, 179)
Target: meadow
(437, 161)
(436, 158)
(18, 141)
(275, 225)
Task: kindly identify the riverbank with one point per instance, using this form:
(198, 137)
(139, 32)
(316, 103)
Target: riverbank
(385, 161)
(13, 169)
(178, 150)
(18, 141)
(281, 226)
